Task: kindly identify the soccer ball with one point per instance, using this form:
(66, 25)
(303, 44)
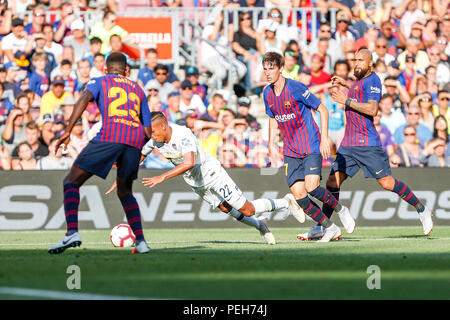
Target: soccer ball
(122, 236)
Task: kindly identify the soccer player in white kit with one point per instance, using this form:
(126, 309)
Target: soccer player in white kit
(208, 178)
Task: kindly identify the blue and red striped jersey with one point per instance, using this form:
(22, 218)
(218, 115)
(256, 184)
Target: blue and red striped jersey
(124, 109)
(292, 110)
(360, 130)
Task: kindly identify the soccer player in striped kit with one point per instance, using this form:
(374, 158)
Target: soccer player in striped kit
(288, 104)
(361, 145)
(126, 126)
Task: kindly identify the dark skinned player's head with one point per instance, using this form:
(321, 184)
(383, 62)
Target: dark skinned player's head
(116, 64)
(160, 127)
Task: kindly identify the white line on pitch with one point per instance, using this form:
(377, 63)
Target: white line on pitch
(61, 295)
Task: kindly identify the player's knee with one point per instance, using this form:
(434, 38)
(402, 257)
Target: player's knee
(332, 182)
(386, 184)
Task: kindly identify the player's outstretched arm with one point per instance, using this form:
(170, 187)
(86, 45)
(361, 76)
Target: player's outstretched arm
(188, 163)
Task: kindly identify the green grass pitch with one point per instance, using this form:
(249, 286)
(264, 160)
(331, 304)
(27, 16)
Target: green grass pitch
(234, 264)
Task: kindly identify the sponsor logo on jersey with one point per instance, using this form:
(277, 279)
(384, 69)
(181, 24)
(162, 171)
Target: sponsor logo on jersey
(375, 89)
(285, 117)
(306, 94)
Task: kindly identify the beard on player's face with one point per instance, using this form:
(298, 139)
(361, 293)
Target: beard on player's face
(360, 72)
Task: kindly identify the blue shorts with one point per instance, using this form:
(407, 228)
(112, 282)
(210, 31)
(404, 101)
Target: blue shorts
(373, 160)
(298, 168)
(98, 158)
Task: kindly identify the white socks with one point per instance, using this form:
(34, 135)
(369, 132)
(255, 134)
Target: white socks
(269, 205)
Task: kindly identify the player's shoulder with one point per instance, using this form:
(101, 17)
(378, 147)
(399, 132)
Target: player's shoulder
(295, 85)
(373, 83)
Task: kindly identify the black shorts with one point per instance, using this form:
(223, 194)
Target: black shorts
(373, 160)
(98, 158)
(298, 168)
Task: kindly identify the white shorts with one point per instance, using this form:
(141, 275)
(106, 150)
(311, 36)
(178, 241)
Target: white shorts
(221, 189)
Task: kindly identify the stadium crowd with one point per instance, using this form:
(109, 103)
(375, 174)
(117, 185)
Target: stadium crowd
(47, 60)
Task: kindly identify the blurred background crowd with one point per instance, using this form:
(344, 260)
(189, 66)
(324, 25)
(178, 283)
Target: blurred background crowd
(48, 53)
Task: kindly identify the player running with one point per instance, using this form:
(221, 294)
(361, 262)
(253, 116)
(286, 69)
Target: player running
(361, 146)
(126, 123)
(206, 176)
(288, 104)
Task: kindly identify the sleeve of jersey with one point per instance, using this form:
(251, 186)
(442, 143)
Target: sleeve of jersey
(188, 143)
(145, 112)
(372, 90)
(147, 148)
(304, 95)
(93, 86)
(268, 110)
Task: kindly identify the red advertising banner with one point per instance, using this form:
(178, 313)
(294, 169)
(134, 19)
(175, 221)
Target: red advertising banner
(148, 32)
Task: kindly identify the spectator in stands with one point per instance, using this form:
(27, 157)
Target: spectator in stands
(15, 41)
(146, 73)
(246, 45)
(160, 82)
(318, 75)
(67, 108)
(395, 38)
(217, 104)
(440, 130)
(412, 50)
(434, 154)
(413, 116)
(291, 69)
(116, 45)
(172, 111)
(36, 44)
(408, 13)
(190, 100)
(5, 105)
(154, 101)
(391, 117)
(442, 106)
(244, 106)
(47, 132)
(409, 74)
(78, 138)
(9, 79)
(32, 135)
(213, 56)
(419, 31)
(5, 158)
(208, 138)
(62, 26)
(95, 45)
(69, 82)
(5, 17)
(409, 152)
(23, 102)
(442, 68)
(83, 72)
(99, 66)
(442, 45)
(39, 80)
(78, 39)
(105, 29)
(193, 75)
(50, 45)
(385, 135)
(381, 47)
(368, 40)
(26, 160)
(67, 54)
(334, 49)
(55, 160)
(37, 20)
(424, 102)
(342, 32)
(52, 100)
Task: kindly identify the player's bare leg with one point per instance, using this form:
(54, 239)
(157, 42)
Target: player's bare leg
(332, 231)
(391, 184)
(72, 183)
(246, 215)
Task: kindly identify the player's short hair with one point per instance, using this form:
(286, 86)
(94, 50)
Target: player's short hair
(273, 58)
(157, 115)
(117, 58)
